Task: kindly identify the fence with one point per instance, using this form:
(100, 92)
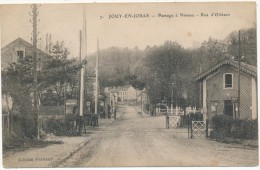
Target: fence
(176, 117)
(169, 111)
(190, 110)
(176, 110)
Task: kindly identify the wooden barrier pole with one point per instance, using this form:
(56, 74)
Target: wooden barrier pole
(207, 128)
(191, 129)
(188, 127)
(167, 122)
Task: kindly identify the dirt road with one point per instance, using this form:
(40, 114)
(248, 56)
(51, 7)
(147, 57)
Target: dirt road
(135, 140)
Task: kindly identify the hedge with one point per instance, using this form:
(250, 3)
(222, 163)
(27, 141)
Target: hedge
(61, 126)
(226, 126)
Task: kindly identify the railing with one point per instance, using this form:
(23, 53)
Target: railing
(170, 111)
(191, 110)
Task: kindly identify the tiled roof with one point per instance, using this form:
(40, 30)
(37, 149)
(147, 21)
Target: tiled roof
(20, 40)
(246, 68)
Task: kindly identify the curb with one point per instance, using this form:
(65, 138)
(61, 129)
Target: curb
(69, 155)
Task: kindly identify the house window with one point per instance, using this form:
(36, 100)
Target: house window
(20, 55)
(228, 81)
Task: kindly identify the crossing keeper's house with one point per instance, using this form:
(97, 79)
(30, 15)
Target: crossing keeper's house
(14, 52)
(219, 90)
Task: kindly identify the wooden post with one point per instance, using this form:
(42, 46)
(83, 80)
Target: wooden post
(167, 122)
(191, 131)
(188, 127)
(35, 84)
(207, 128)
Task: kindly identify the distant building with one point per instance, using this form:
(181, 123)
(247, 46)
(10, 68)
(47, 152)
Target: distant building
(123, 93)
(219, 90)
(17, 50)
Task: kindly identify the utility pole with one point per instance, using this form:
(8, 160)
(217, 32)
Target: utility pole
(97, 88)
(78, 96)
(86, 47)
(239, 58)
(35, 88)
(82, 57)
(65, 92)
(81, 86)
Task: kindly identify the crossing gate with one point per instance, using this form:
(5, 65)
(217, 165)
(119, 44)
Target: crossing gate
(173, 121)
(198, 129)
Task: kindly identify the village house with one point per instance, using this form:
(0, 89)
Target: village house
(123, 93)
(219, 90)
(17, 50)
(11, 53)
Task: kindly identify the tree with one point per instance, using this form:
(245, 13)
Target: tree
(166, 63)
(17, 82)
(247, 42)
(57, 70)
(58, 51)
(134, 81)
(55, 73)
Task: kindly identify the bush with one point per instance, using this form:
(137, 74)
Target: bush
(62, 126)
(228, 127)
(245, 129)
(222, 126)
(29, 126)
(23, 125)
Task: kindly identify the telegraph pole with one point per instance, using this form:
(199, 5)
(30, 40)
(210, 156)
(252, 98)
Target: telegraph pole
(65, 93)
(83, 54)
(78, 96)
(81, 99)
(97, 89)
(35, 88)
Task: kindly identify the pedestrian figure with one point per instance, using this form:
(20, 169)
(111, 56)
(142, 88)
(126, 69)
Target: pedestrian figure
(108, 111)
(75, 111)
(109, 115)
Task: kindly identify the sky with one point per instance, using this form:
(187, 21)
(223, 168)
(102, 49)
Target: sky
(64, 21)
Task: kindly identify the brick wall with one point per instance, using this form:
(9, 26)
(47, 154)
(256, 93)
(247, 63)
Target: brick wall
(217, 93)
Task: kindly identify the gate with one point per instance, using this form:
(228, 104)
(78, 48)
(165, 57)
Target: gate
(173, 121)
(198, 128)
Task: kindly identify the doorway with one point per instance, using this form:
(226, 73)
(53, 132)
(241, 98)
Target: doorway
(228, 108)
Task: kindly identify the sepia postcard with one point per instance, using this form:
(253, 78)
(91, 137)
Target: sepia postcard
(151, 84)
